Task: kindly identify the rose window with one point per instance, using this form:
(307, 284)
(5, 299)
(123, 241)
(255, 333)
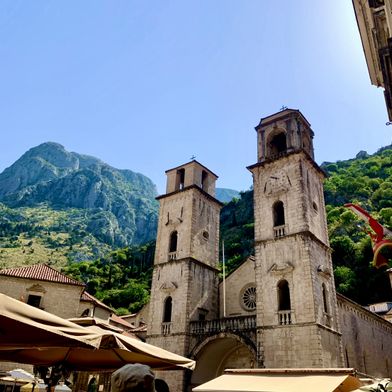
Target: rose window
(249, 298)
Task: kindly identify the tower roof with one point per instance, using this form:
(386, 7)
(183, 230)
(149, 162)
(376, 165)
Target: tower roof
(193, 161)
(40, 272)
(280, 116)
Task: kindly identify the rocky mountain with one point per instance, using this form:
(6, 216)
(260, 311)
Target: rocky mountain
(225, 195)
(118, 206)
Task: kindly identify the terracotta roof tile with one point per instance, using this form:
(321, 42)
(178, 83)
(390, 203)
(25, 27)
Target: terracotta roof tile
(40, 272)
(90, 298)
(118, 320)
(141, 328)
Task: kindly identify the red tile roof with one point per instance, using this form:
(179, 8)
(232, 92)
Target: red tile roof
(140, 328)
(118, 320)
(89, 298)
(40, 272)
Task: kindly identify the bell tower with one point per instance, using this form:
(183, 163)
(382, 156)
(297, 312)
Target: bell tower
(185, 277)
(297, 321)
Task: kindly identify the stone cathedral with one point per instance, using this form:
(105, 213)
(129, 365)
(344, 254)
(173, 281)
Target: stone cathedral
(281, 307)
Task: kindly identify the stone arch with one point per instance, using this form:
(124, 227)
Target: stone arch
(284, 300)
(278, 213)
(167, 310)
(173, 242)
(276, 143)
(180, 180)
(204, 180)
(219, 352)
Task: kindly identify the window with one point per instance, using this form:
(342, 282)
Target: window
(206, 236)
(278, 213)
(284, 295)
(202, 314)
(34, 300)
(180, 179)
(325, 299)
(167, 310)
(249, 298)
(277, 145)
(173, 242)
(204, 177)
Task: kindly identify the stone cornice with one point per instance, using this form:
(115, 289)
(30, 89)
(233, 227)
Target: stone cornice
(280, 116)
(285, 155)
(366, 313)
(187, 259)
(204, 193)
(297, 325)
(305, 233)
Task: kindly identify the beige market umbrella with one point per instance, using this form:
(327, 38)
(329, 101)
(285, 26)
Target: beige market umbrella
(17, 377)
(23, 326)
(115, 350)
(277, 380)
(20, 375)
(40, 387)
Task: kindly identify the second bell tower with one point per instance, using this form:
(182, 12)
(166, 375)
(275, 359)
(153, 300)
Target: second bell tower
(297, 321)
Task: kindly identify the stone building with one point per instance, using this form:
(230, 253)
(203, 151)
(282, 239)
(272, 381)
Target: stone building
(282, 310)
(44, 287)
(374, 19)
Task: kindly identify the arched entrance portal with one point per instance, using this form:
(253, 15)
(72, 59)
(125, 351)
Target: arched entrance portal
(218, 353)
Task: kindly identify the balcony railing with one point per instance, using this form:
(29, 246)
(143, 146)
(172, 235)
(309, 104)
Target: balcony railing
(285, 317)
(279, 231)
(166, 328)
(276, 155)
(241, 323)
(172, 256)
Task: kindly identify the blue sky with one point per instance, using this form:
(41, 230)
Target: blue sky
(144, 85)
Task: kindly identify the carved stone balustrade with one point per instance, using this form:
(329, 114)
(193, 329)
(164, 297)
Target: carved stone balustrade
(230, 324)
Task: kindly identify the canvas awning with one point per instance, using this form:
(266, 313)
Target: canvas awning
(114, 351)
(271, 382)
(22, 325)
(30, 335)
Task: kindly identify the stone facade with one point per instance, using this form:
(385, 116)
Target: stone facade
(60, 299)
(367, 339)
(92, 307)
(296, 319)
(43, 287)
(238, 284)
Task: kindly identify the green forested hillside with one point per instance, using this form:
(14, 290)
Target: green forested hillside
(40, 234)
(367, 181)
(237, 230)
(121, 279)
